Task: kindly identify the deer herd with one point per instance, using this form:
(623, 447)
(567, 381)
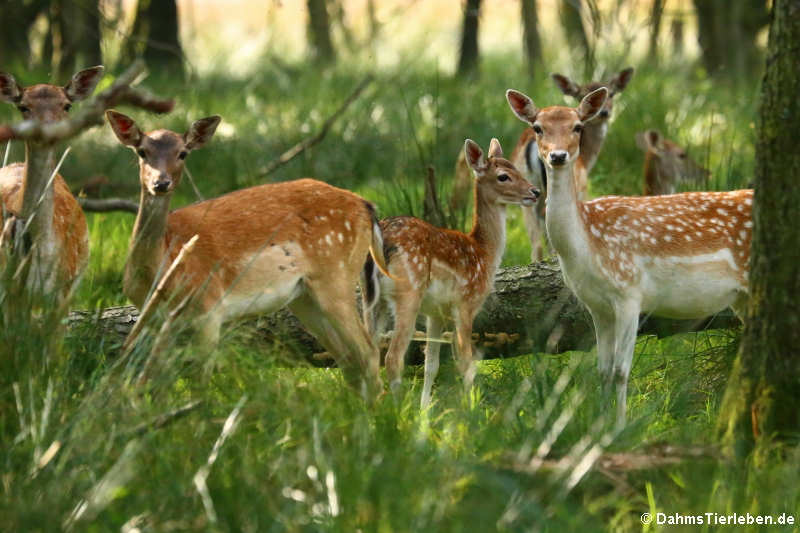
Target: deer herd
(308, 246)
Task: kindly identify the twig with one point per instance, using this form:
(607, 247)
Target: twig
(300, 147)
(91, 113)
(165, 419)
(105, 205)
(156, 296)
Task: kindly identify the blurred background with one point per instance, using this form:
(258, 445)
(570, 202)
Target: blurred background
(277, 70)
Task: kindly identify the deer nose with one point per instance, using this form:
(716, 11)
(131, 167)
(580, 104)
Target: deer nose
(535, 192)
(558, 157)
(162, 185)
(603, 113)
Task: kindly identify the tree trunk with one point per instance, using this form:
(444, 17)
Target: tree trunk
(468, 58)
(763, 394)
(531, 43)
(319, 33)
(15, 22)
(163, 51)
(531, 310)
(78, 27)
(655, 28)
(727, 34)
(575, 33)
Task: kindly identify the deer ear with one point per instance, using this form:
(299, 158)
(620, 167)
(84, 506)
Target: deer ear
(201, 132)
(653, 138)
(592, 103)
(495, 150)
(618, 83)
(10, 90)
(124, 128)
(567, 86)
(522, 106)
(475, 156)
(83, 83)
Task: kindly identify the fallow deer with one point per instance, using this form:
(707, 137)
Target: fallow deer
(666, 164)
(445, 274)
(680, 256)
(299, 244)
(56, 224)
(525, 155)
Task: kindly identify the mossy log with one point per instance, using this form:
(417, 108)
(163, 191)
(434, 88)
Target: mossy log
(531, 310)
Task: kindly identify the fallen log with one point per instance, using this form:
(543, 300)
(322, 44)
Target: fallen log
(531, 310)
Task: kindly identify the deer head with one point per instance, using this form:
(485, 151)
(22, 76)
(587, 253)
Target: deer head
(496, 178)
(615, 85)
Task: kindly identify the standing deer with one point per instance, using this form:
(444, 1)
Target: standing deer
(299, 244)
(525, 155)
(679, 256)
(666, 164)
(445, 274)
(59, 236)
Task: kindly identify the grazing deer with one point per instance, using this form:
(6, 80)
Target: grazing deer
(57, 226)
(299, 244)
(446, 274)
(525, 155)
(666, 164)
(680, 256)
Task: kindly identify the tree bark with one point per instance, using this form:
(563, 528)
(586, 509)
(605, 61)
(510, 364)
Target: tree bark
(655, 28)
(531, 310)
(77, 24)
(727, 34)
(575, 33)
(319, 33)
(531, 43)
(469, 55)
(763, 394)
(155, 36)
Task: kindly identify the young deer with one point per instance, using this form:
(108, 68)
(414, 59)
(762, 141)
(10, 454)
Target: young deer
(299, 244)
(666, 164)
(58, 228)
(446, 274)
(525, 155)
(681, 256)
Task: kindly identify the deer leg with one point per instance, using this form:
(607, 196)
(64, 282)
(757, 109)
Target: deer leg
(464, 362)
(406, 306)
(604, 333)
(329, 313)
(434, 331)
(626, 324)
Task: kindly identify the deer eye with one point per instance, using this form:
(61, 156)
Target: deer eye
(141, 153)
(538, 129)
(23, 109)
(67, 107)
(578, 128)
(183, 155)
(682, 155)
(503, 177)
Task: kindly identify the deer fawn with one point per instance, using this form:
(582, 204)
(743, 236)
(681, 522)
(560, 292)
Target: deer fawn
(445, 274)
(681, 256)
(666, 164)
(58, 229)
(299, 244)
(525, 155)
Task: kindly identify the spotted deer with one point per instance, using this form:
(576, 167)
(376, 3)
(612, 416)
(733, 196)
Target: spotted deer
(525, 155)
(445, 274)
(666, 164)
(59, 237)
(299, 244)
(680, 255)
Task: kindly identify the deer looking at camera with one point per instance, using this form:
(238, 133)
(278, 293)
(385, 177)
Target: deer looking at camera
(442, 273)
(299, 244)
(59, 237)
(666, 164)
(679, 256)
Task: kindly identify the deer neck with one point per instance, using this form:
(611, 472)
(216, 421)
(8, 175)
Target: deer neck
(489, 228)
(565, 226)
(592, 139)
(147, 246)
(38, 199)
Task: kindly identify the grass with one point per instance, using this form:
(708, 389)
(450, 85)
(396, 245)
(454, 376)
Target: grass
(280, 446)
